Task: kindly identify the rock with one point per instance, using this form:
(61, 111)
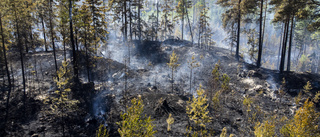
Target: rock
(238, 119)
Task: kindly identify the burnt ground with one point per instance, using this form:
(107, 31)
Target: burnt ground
(148, 75)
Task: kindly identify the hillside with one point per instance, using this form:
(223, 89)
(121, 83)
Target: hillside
(148, 76)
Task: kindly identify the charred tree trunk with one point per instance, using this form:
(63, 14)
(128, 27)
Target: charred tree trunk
(64, 48)
(189, 25)
(74, 54)
(290, 45)
(21, 57)
(44, 34)
(238, 33)
(125, 20)
(7, 70)
(260, 36)
(87, 57)
(278, 62)
(284, 46)
(139, 19)
(52, 37)
(182, 19)
(191, 82)
(264, 20)
(157, 21)
(130, 20)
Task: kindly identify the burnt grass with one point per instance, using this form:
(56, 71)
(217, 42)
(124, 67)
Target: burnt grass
(102, 101)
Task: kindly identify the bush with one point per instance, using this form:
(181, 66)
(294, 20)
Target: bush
(304, 123)
(133, 124)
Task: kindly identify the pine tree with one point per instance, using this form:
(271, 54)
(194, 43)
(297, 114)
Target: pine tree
(63, 25)
(51, 25)
(5, 41)
(61, 104)
(133, 123)
(19, 12)
(166, 25)
(204, 29)
(231, 16)
(181, 10)
(173, 64)
(197, 111)
(192, 64)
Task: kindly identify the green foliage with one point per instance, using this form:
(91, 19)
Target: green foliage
(205, 32)
(192, 64)
(197, 108)
(224, 132)
(102, 131)
(133, 124)
(170, 121)
(216, 100)
(307, 87)
(173, 64)
(253, 42)
(265, 129)
(166, 25)
(304, 63)
(225, 82)
(304, 123)
(197, 111)
(60, 103)
(247, 102)
(317, 97)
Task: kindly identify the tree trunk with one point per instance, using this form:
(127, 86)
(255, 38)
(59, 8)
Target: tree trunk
(191, 81)
(189, 25)
(52, 38)
(125, 20)
(139, 19)
(182, 19)
(130, 16)
(7, 70)
(31, 37)
(278, 62)
(64, 48)
(21, 56)
(238, 33)
(74, 59)
(260, 36)
(87, 57)
(290, 45)
(172, 80)
(264, 20)
(284, 46)
(157, 21)
(44, 34)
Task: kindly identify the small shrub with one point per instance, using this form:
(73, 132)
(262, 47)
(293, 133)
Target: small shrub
(304, 123)
(102, 131)
(170, 121)
(133, 124)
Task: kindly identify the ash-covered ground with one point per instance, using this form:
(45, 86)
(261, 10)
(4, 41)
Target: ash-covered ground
(149, 76)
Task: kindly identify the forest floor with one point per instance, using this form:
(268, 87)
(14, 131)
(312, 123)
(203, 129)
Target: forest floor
(102, 102)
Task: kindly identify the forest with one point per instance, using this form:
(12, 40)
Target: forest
(142, 68)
